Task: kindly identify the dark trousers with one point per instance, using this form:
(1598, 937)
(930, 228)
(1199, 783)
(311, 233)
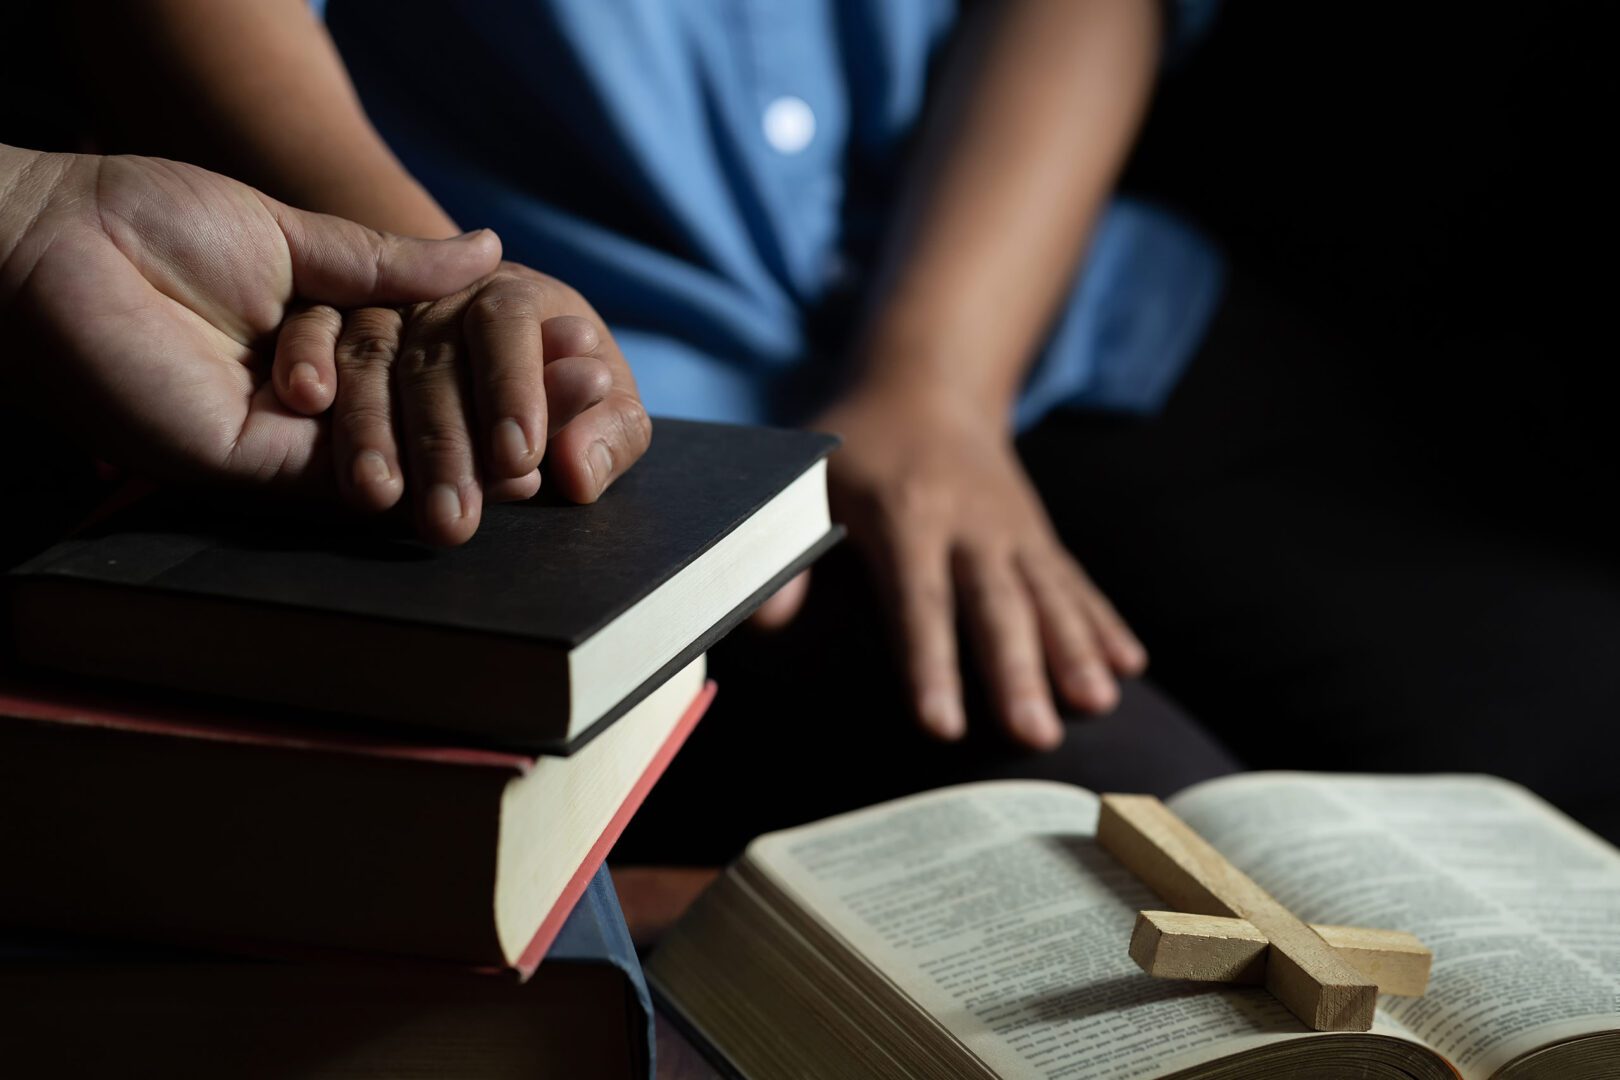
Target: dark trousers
(813, 720)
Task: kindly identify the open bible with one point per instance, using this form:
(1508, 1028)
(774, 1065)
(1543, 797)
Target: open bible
(979, 931)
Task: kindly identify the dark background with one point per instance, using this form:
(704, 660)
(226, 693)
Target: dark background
(1430, 179)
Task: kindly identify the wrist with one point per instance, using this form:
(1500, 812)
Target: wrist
(918, 405)
(931, 353)
(943, 386)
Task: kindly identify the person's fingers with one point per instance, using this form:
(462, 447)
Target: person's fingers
(1123, 648)
(781, 606)
(304, 371)
(599, 445)
(338, 262)
(516, 489)
(574, 384)
(1124, 651)
(604, 440)
(570, 335)
(914, 566)
(1073, 652)
(365, 454)
(436, 418)
(1002, 624)
(502, 331)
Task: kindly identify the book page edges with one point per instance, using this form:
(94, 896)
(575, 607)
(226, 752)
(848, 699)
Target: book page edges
(70, 707)
(529, 959)
(655, 630)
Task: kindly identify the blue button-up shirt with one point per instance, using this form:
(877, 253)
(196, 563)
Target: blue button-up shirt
(715, 177)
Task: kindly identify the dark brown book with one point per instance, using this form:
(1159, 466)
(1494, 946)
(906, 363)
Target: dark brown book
(550, 623)
(83, 1007)
(141, 819)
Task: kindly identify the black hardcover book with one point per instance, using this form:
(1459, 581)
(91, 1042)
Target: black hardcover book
(545, 627)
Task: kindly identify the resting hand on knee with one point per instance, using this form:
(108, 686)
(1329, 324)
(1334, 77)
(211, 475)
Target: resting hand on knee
(938, 502)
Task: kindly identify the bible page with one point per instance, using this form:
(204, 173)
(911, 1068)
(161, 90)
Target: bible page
(992, 907)
(1520, 905)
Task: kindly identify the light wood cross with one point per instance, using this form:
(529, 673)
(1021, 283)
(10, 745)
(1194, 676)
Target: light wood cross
(1228, 929)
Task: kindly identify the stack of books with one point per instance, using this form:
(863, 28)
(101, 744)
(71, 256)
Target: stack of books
(297, 800)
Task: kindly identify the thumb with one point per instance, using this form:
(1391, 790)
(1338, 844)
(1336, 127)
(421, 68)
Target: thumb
(779, 610)
(336, 261)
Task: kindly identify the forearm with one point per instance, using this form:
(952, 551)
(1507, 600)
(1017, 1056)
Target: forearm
(1034, 120)
(255, 89)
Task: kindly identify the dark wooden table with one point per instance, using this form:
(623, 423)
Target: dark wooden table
(654, 897)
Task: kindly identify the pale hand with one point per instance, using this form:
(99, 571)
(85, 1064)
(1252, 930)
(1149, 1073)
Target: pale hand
(936, 499)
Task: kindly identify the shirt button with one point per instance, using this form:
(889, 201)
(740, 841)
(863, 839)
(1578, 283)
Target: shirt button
(789, 125)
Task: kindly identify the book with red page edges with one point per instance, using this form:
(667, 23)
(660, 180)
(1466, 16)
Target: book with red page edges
(168, 820)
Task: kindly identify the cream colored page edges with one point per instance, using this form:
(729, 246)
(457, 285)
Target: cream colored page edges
(992, 907)
(1514, 899)
(552, 817)
(631, 648)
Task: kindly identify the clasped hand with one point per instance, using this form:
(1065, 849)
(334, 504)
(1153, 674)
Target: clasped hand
(546, 380)
(142, 302)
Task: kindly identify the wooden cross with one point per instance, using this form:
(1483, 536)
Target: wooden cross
(1228, 929)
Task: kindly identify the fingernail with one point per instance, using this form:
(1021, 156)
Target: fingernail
(1093, 685)
(511, 444)
(305, 375)
(1035, 720)
(942, 713)
(1104, 691)
(600, 461)
(444, 502)
(370, 467)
